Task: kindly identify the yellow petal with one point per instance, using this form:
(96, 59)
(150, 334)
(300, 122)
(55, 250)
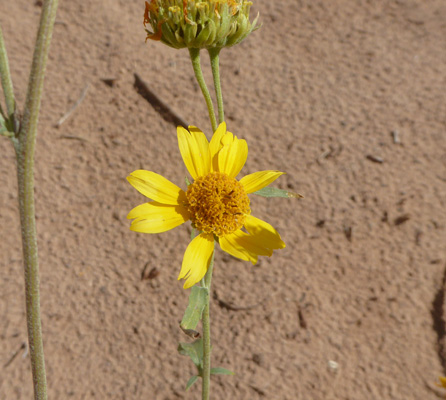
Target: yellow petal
(259, 180)
(156, 187)
(228, 138)
(155, 217)
(236, 245)
(263, 233)
(194, 148)
(196, 259)
(232, 157)
(215, 145)
(260, 240)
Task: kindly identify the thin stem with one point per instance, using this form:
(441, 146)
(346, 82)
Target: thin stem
(195, 58)
(215, 64)
(206, 378)
(6, 78)
(25, 148)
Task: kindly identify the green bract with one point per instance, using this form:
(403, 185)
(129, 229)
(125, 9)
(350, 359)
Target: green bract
(199, 24)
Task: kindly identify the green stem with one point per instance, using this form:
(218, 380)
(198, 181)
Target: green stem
(25, 147)
(215, 65)
(206, 378)
(6, 79)
(195, 58)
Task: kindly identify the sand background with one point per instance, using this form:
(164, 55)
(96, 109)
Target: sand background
(318, 92)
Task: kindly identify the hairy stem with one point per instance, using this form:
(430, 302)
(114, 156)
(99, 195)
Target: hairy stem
(206, 378)
(25, 147)
(195, 58)
(215, 65)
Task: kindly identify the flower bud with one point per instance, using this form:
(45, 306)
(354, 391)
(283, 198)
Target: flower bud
(199, 24)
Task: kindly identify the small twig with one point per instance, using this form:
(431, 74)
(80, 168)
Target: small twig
(302, 321)
(110, 82)
(401, 219)
(71, 137)
(163, 109)
(375, 159)
(258, 390)
(396, 137)
(14, 355)
(76, 105)
(232, 307)
(348, 232)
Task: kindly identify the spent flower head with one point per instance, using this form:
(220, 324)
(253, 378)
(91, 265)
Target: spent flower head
(198, 24)
(216, 202)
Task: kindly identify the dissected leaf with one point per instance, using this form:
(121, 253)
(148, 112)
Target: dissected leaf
(195, 351)
(221, 371)
(194, 310)
(191, 381)
(276, 192)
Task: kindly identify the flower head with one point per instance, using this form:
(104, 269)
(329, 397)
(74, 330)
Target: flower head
(442, 382)
(216, 202)
(198, 24)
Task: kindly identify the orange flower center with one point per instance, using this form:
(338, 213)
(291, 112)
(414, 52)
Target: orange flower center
(218, 204)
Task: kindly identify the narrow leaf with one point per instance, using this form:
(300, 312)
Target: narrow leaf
(276, 192)
(187, 180)
(194, 310)
(221, 371)
(191, 381)
(194, 351)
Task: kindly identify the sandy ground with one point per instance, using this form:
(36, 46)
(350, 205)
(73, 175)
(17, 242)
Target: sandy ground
(351, 309)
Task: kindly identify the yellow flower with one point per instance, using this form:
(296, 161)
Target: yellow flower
(216, 203)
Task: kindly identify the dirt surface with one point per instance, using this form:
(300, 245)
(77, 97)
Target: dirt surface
(351, 309)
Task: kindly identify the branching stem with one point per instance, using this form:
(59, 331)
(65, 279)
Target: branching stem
(195, 58)
(214, 55)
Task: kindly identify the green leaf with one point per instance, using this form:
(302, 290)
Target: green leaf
(191, 381)
(187, 180)
(2, 122)
(195, 351)
(276, 192)
(221, 371)
(194, 310)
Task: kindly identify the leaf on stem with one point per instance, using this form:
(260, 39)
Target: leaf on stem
(194, 310)
(195, 351)
(191, 381)
(221, 371)
(276, 192)
(4, 131)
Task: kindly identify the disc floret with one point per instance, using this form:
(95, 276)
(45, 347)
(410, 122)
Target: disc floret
(217, 203)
